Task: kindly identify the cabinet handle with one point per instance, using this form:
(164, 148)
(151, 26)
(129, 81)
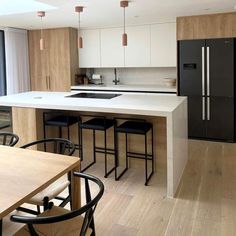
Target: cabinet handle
(203, 71)
(208, 108)
(208, 71)
(49, 82)
(203, 108)
(46, 82)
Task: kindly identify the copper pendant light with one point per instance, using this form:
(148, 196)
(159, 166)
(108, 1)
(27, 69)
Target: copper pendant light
(79, 9)
(124, 4)
(41, 14)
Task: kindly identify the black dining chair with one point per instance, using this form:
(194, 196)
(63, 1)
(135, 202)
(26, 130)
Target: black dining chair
(59, 221)
(58, 146)
(8, 139)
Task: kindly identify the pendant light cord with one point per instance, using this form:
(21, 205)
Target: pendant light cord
(79, 23)
(41, 27)
(124, 20)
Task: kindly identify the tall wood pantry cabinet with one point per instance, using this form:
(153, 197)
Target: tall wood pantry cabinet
(54, 68)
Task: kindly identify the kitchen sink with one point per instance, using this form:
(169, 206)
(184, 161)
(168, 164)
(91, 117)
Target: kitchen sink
(94, 95)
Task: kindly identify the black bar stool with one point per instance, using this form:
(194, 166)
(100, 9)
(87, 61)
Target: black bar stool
(98, 124)
(60, 120)
(140, 127)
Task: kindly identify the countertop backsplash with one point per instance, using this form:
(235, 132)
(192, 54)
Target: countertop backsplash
(138, 76)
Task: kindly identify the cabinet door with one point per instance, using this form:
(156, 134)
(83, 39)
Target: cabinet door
(112, 51)
(137, 52)
(59, 60)
(163, 45)
(191, 67)
(221, 118)
(38, 60)
(220, 64)
(89, 55)
(196, 117)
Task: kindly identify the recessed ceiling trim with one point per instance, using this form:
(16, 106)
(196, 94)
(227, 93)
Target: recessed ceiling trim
(18, 7)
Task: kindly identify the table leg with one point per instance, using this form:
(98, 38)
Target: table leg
(75, 190)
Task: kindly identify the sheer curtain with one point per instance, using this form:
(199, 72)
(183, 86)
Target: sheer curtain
(17, 60)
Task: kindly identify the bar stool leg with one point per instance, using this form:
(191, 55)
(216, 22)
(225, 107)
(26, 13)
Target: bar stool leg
(1, 227)
(146, 159)
(60, 132)
(126, 150)
(94, 146)
(79, 143)
(152, 153)
(105, 149)
(68, 132)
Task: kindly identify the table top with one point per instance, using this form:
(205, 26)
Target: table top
(24, 172)
(134, 104)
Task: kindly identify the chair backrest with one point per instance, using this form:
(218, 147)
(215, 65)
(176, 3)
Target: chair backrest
(8, 139)
(54, 145)
(88, 209)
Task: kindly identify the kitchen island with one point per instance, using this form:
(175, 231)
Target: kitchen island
(125, 88)
(27, 109)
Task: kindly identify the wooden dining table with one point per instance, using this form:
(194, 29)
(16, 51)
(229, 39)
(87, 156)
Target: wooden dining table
(24, 173)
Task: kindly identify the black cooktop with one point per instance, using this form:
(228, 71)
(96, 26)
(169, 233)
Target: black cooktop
(94, 95)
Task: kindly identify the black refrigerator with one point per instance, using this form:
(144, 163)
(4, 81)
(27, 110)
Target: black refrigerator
(2, 65)
(206, 71)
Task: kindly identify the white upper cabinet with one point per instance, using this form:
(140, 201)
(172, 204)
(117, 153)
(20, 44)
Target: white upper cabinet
(137, 52)
(112, 51)
(148, 46)
(163, 45)
(90, 54)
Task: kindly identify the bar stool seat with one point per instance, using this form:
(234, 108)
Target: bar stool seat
(138, 127)
(61, 120)
(134, 127)
(99, 124)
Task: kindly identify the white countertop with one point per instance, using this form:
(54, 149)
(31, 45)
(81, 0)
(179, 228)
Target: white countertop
(137, 104)
(122, 87)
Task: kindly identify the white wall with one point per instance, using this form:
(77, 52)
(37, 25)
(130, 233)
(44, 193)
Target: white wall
(147, 76)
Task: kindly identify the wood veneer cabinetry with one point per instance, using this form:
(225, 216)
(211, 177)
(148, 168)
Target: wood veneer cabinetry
(207, 26)
(54, 68)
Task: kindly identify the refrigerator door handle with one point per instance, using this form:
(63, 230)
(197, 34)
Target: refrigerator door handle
(203, 71)
(208, 108)
(208, 71)
(203, 108)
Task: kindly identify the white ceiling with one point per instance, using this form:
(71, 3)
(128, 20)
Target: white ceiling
(106, 13)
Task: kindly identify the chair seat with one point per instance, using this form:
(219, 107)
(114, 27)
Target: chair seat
(134, 127)
(63, 121)
(70, 227)
(97, 124)
(51, 191)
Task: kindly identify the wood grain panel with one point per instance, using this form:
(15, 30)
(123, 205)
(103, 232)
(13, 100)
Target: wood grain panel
(24, 124)
(55, 67)
(206, 26)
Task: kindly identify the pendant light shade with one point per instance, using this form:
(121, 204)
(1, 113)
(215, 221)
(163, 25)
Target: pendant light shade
(124, 4)
(41, 14)
(79, 9)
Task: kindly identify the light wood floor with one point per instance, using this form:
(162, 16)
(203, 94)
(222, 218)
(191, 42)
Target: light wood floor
(205, 204)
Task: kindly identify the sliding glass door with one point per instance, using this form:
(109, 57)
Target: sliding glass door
(2, 65)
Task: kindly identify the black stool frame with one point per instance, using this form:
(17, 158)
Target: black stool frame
(147, 157)
(96, 149)
(59, 113)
